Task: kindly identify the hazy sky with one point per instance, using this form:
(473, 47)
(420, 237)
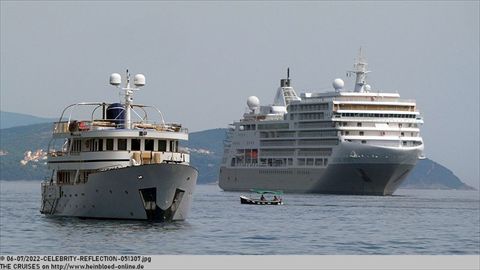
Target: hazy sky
(203, 59)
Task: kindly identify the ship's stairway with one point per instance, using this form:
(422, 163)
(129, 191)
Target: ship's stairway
(51, 194)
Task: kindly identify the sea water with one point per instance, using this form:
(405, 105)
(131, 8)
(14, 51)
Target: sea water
(413, 222)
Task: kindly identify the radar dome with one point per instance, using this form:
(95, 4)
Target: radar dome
(115, 79)
(367, 87)
(139, 80)
(338, 84)
(253, 102)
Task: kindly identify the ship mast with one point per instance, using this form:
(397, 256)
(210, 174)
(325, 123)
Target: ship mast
(360, 71)
(138, 81)
(128, 103)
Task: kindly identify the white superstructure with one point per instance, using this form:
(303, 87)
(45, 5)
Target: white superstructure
(118, 164)
(345, 142)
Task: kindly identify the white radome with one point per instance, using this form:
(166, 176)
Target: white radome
(253, 102)
(338, 84)
(139, 80)
(115, 79)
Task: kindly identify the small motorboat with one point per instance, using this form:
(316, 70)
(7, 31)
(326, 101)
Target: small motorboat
(276, 200)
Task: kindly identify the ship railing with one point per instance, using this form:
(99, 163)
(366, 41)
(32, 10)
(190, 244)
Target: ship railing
(76, 125)
(375, 99)
(46, 183)
(70, 125)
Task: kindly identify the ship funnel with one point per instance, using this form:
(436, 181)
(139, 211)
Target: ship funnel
(286, 82)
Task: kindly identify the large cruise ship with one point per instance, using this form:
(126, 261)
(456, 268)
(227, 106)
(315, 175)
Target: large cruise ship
(118, 164)
(341, 142)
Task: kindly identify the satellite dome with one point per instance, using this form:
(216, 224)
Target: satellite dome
(367, 87)
(338, 84)
(253, 102)
(115, 79)
(139, 80)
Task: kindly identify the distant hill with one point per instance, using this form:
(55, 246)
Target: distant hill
(206, 150)
(10, 119)
(429, 174)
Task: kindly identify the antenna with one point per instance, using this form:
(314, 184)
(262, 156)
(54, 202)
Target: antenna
(288, 73)
(139, 81)
(360, 70)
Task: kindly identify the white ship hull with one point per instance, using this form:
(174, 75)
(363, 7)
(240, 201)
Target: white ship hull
(355, 169)
(147, 192)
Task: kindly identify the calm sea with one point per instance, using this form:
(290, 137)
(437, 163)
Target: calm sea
(411, 222)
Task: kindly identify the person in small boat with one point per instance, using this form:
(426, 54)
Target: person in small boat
(275, 198)
(262, 198)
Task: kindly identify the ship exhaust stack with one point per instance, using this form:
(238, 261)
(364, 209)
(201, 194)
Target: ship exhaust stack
(286, 82)
(285, 93)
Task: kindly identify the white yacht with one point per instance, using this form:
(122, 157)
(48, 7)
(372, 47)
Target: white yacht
(362, 141)
(118, 164)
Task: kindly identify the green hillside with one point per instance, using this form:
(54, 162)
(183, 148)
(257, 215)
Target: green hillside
(11, 119)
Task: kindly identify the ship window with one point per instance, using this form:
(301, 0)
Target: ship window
(318, 161)
(122, 144)
(135, 144)
(359, 124)
(176, 146)
(77, 145)
(171, 146)
(402, 134)
(309, 161)
(109, 144)
(325, 162)
(301, 161)
(100, 145)
(404, 143)
(361, 133)
(148, 145)
(162, 145)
